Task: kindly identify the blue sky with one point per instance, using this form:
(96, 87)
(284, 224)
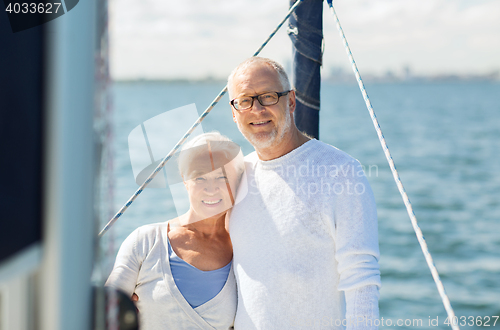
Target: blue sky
(193, 39)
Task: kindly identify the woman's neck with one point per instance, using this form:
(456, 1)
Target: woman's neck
(206, 227)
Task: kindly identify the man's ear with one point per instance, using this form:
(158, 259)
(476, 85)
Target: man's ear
(234, 114)
(292, 101)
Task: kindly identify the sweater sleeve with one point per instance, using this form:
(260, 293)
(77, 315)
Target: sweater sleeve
(362, 308)
(356, 233)
(127, 265)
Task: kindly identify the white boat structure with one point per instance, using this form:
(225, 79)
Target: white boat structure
(53, 106)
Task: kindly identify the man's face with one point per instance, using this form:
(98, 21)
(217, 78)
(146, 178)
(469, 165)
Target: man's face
(262, 126)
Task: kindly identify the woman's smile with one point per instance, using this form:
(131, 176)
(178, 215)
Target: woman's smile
(211, 202)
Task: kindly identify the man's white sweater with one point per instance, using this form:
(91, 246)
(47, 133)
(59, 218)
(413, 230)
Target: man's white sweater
(305, 242)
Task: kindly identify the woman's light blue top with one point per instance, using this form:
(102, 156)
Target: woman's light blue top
(197, 286)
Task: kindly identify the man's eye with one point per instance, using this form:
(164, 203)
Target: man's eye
(222, 177)
(268, 98)
(199, 179)
(244, 101)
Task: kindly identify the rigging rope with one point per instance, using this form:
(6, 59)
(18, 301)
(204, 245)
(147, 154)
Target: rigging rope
(446, 302)
(188, 133)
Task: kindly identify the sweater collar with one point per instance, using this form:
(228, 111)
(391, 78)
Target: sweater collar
(291, 157)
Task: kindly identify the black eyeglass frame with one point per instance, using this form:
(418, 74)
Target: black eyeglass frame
(280, 94)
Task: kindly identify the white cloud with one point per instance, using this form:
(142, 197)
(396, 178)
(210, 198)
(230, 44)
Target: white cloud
(195, 38)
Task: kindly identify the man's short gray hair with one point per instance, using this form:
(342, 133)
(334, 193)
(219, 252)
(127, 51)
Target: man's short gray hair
(282, 76)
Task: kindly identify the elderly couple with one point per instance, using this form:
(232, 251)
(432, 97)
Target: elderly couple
(299, 249)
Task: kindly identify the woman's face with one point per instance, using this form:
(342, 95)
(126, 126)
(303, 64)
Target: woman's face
(211, 193)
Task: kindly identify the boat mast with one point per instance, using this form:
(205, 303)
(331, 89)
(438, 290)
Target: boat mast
(306, 32)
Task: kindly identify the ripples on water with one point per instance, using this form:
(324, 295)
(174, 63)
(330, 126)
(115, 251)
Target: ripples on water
(445, 141)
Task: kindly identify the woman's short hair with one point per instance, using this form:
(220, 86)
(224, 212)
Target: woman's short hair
(220, 149)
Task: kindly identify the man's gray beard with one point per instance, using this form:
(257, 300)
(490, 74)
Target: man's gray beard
(267, 140)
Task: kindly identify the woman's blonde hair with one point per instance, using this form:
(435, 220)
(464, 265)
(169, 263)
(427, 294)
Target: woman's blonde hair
(220, 149)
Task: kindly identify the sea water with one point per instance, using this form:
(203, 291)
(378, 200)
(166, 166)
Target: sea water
(445, 141)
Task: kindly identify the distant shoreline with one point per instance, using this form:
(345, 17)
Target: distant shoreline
(343, 78)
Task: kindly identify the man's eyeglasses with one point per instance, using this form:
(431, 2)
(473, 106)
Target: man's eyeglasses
(246, 102)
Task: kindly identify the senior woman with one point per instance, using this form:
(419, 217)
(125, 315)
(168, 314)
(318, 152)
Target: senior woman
(180, 271)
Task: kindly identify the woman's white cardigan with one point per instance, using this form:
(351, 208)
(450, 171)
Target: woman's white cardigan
(142, 266)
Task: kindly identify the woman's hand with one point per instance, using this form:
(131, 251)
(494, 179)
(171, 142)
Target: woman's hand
(135, 298)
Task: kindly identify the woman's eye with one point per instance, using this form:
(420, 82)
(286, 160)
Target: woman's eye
(199, 179)
(222, 177)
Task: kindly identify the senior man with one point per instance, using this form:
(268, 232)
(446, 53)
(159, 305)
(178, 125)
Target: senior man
(304, 237)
